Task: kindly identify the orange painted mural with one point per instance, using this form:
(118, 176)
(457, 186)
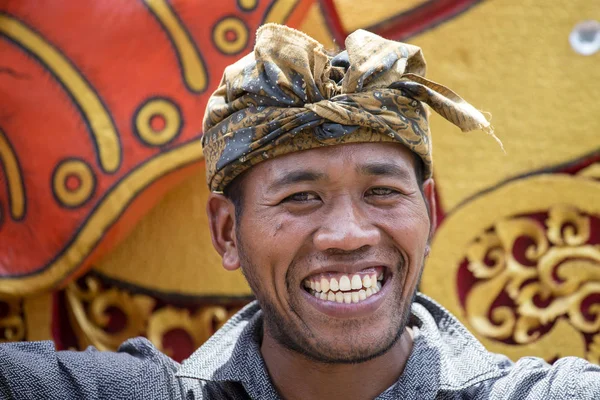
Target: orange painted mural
(102, 107)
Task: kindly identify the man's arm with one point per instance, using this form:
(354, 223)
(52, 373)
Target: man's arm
(34, 370)
(569, 378)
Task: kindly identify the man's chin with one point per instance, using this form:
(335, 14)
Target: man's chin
(328, 340)
(341, 342)
(340, 353)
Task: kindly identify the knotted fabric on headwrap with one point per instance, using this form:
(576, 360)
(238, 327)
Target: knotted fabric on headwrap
(290, 95)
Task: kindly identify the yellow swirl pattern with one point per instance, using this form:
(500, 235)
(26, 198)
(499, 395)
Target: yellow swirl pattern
(194, 72)
(89, 303)
(557, 266)
(235, 25)
(165, 109)
(101, 125)
(247, 5)
(13, 176)
(78, 196)
(102, 218)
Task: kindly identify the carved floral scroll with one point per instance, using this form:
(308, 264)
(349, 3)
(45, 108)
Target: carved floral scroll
(543, 270)
(105, 316)
(525, 278)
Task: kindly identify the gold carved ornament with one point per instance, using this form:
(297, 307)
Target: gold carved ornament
(525, 267)
(91, 304)
(12, 324)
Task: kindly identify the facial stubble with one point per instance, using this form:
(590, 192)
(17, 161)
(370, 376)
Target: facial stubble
(300, 338)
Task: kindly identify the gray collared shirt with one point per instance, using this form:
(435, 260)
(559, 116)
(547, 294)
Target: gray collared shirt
(447, 362)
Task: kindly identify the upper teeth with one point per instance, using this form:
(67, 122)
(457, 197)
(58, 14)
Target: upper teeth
(344, 282)
(357, 287)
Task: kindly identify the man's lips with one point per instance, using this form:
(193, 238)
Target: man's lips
(347, 303)
(343, 287)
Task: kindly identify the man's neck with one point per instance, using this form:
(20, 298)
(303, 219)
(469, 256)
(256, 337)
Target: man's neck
(297, 377)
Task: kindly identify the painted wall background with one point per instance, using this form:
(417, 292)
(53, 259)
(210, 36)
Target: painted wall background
(516, 256)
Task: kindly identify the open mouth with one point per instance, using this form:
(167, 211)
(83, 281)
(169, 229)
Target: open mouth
(346, 288)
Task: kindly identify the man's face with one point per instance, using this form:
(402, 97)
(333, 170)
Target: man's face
(332, 242)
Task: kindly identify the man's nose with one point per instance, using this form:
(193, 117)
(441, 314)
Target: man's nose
(346, 227)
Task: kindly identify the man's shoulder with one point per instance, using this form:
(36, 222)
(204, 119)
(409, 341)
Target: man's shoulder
(467, 369)
(532, 378)
(136, 370)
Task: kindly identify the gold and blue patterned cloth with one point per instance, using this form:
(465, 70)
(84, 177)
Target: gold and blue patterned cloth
(291, 95)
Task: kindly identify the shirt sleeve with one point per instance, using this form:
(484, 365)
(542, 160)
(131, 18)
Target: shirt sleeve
(34, 370)
(569, 378)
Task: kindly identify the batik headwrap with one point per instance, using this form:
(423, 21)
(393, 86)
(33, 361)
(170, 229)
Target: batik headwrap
(290, 95)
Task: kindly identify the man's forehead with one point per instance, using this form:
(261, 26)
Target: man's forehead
(356, 158)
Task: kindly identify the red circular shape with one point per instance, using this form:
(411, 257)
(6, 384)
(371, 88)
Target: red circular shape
(158, 122)
(231, 35)
(179, 343)
(72, 182)
(117, 320)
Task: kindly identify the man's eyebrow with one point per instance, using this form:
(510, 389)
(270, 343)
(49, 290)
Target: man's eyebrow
(297, 177)
(384, 169)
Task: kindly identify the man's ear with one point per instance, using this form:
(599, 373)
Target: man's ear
(429, 193)
(221, 221)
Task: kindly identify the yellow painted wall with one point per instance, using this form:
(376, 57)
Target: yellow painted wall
(170, 250)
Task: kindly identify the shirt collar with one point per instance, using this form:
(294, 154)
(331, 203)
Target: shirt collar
(446, 348)
(453, 358)
(233, 354)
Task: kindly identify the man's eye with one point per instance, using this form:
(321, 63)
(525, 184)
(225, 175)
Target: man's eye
(381, 191)
(301, 197)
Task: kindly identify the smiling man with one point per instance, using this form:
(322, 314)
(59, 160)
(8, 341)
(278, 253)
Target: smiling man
(332, 242)
(320, 171)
